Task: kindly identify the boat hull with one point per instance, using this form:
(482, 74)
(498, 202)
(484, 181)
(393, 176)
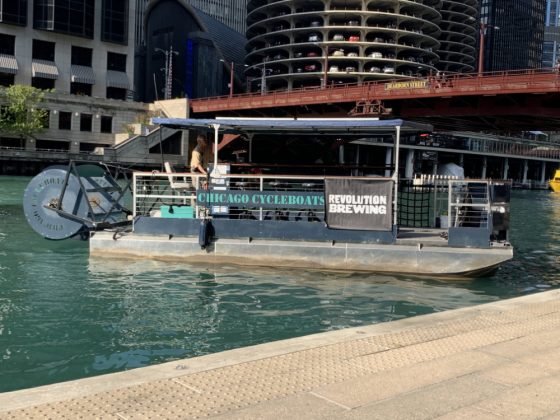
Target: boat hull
(412, 259)
(554, 186)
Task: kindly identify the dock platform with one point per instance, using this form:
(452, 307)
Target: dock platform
(492, 361)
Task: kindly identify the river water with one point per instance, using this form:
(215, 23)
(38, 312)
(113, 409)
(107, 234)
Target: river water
(65, 316)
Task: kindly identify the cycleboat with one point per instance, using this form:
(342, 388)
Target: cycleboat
(352, 221)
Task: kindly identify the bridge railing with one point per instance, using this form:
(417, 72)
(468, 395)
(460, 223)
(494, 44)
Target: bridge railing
(455, 81)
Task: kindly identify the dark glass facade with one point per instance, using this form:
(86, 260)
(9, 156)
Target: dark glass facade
(72, 17)
(514, 35)
(114, 24)
(13, 11)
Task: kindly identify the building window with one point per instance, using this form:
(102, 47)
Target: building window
(13, 11)
(7, 44)
(64, 120)
(83, 89)
(7, 79)
(114, 24)
(81, 56)
(116, 93)
(42, 83)
(73, 17)
(116, 62)
(106, 124)
(43, 50)
(85, 122)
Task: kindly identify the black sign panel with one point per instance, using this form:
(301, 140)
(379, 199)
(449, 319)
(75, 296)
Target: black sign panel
(358, 204)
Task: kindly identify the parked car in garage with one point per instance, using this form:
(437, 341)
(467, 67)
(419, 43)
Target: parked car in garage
(338, 37)
(354, 38)
(338, 53)
(311, 67)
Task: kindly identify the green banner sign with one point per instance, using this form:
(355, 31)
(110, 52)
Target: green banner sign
(261, 199)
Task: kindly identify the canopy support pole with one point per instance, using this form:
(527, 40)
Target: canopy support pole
(396, 173)
(215, 172)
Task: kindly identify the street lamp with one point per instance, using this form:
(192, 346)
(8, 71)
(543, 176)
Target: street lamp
(483, 27)
(168, 69)
(231, 72)
(231, 67)
(264, 72)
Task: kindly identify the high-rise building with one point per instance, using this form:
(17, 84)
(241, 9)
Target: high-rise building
(78, 47)
(81, 49)
(459, 37)
(551, 46)
(232, 13)
(514, 34)
(309, 43)
(187, 54)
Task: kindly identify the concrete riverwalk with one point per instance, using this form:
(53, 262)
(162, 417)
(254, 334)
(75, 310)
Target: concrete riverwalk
(493, 361)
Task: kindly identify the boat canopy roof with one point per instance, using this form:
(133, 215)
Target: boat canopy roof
(299, 126)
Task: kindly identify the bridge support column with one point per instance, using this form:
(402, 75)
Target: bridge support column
(74, 147)
(388, 161)
(543, 172)
(484, 166)
(525, 170)
(461, 160)
(409, 168)
(30, 144)
(506, 168)
(341, 154)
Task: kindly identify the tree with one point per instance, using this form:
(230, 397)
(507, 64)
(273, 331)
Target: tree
(19, 114)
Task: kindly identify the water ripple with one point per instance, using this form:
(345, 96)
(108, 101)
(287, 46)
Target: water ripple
(66, 316)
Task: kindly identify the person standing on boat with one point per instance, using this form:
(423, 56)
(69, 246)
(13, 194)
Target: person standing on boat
(200, 155)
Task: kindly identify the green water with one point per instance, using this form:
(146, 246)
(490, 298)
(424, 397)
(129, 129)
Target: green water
(65, 316)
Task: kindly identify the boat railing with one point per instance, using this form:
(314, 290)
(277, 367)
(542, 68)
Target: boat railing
(466, 203)
(236, 196)
(469, 203)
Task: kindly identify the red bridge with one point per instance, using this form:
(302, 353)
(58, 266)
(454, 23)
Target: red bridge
(505, 101)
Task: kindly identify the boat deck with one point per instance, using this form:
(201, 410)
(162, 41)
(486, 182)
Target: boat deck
(412, 236)
(493, 361)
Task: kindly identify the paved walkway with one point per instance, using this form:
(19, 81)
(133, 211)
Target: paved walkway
(493, 361)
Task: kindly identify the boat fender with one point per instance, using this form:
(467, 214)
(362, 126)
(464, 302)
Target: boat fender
(204, 233)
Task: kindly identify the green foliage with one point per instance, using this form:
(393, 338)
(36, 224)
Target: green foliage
(19, 114)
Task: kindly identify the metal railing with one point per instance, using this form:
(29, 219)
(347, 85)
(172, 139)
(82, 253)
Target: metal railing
(155, 192)
(469, 203)
(512, 81)
(465, 202)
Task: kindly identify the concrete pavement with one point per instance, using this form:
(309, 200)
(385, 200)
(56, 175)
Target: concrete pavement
(493, 361)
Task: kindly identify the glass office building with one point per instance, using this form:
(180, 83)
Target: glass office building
(514, 34)
(551, 46)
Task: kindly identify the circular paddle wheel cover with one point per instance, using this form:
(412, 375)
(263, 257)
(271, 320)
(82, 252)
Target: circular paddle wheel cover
(42, 192)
